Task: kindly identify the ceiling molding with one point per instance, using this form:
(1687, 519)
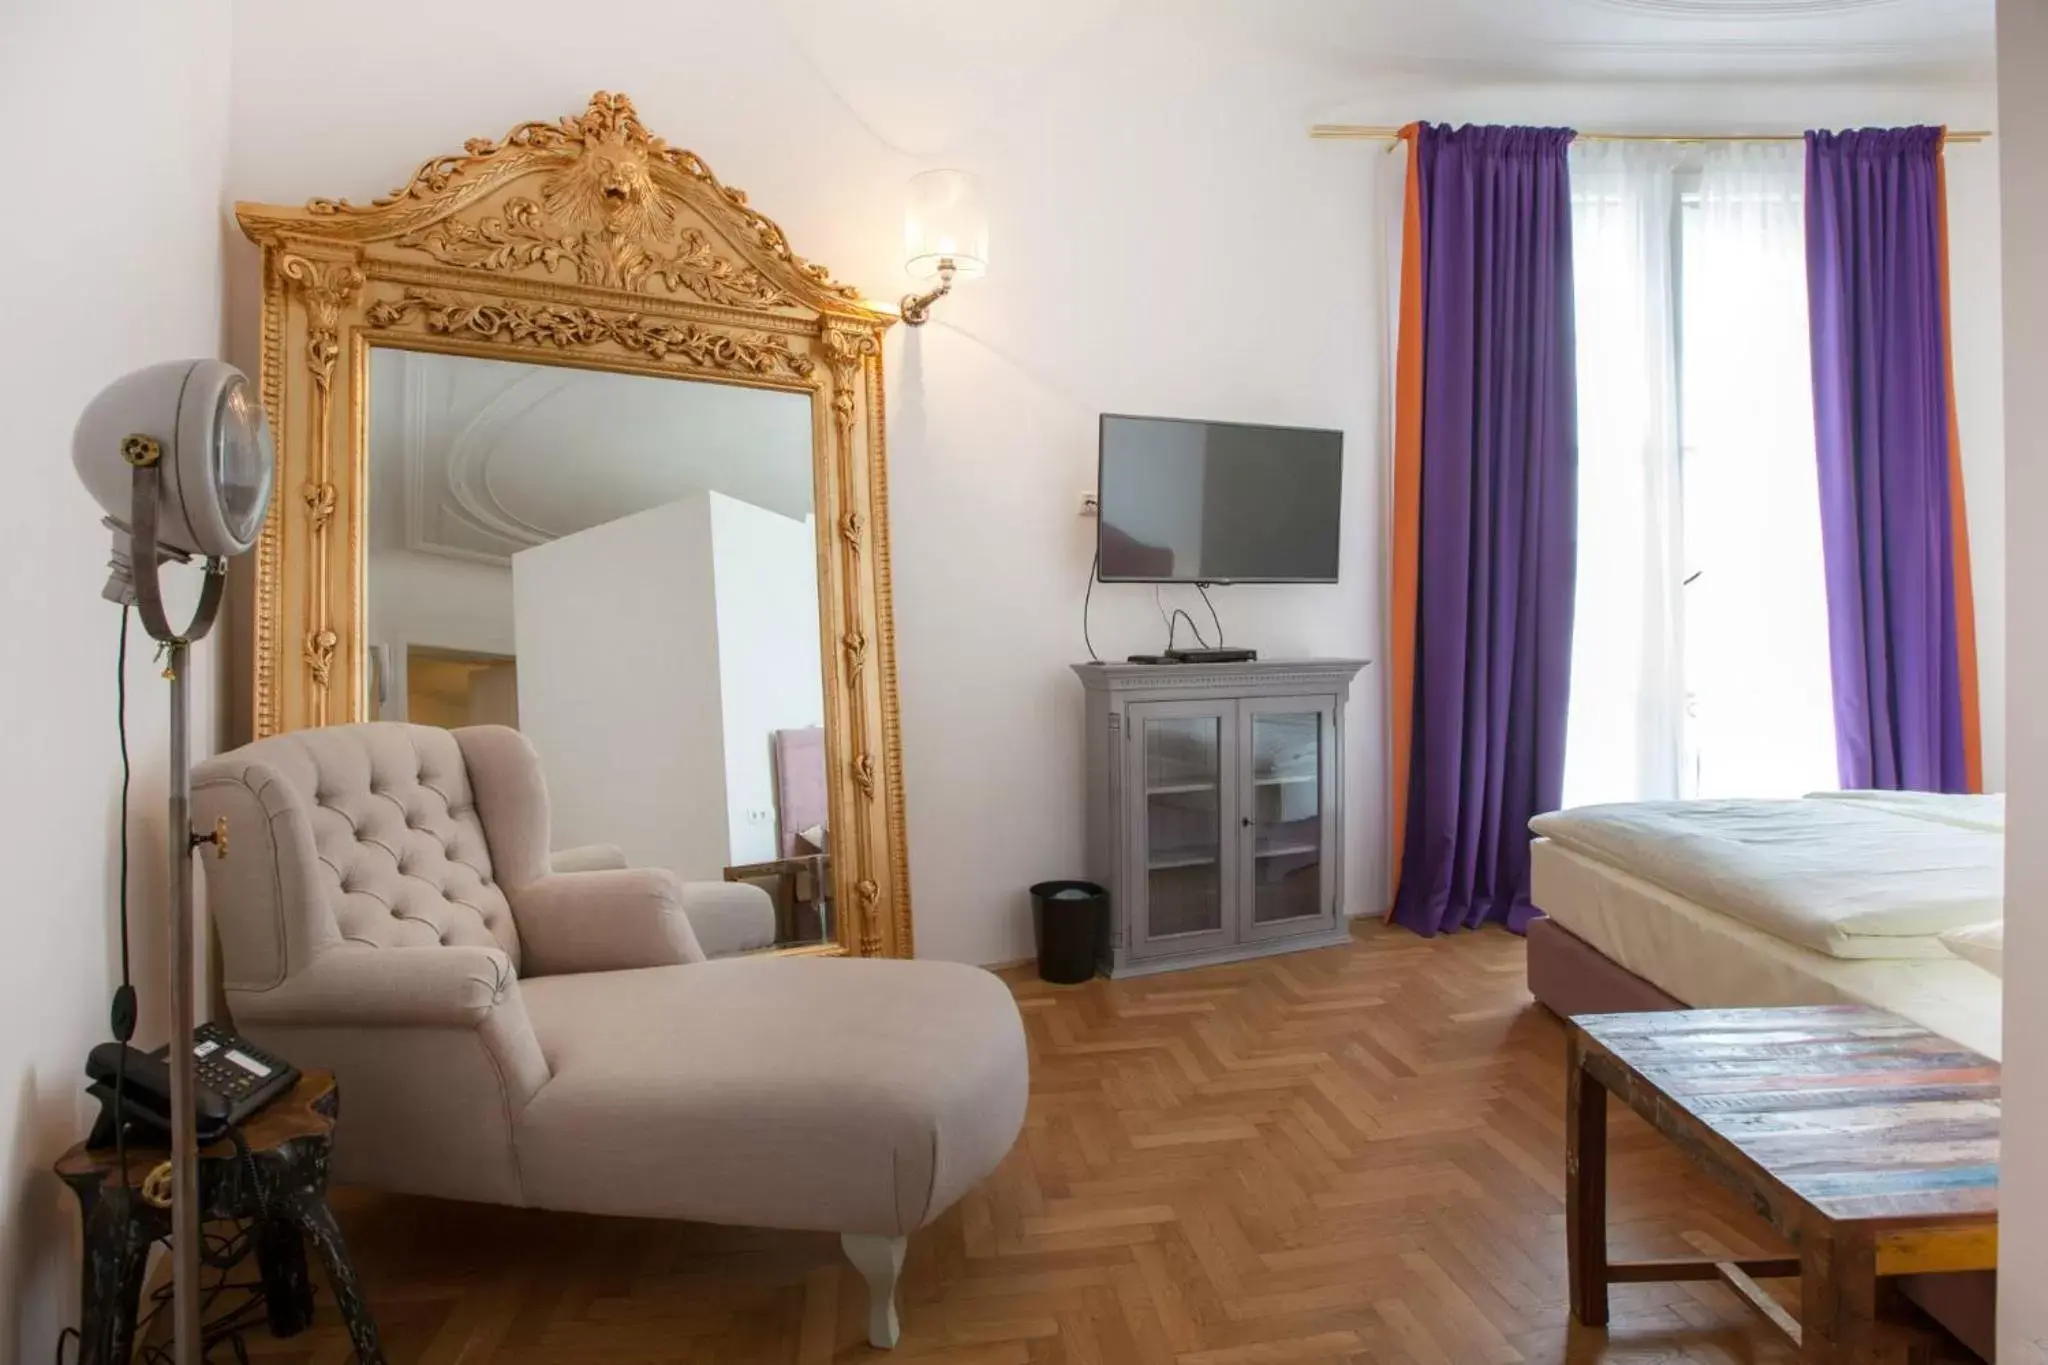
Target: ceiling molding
(473, 449)
(490, 459)
(1951, 62)
(456, 488)
(1832, 54)
(1929, 44)
(1741, 9)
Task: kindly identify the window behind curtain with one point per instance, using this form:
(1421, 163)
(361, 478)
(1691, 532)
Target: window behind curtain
(1760, 713)
(1699, 662)
(1624, 736)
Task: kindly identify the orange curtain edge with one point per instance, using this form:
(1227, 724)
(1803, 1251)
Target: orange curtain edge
(1407, 519)
(1958, 511)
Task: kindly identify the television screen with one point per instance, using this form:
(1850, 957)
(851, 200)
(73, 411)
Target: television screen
(1217, 502)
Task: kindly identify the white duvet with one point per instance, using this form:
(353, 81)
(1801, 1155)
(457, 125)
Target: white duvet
(1971, 812)
(1860, 875)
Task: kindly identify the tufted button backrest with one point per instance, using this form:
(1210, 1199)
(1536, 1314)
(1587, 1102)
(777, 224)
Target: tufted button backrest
(391, 842)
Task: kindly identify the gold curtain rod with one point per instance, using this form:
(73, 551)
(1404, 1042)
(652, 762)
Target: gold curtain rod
(1366, 132)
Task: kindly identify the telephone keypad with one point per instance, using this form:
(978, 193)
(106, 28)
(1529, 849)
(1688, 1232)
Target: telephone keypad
(228, 1065)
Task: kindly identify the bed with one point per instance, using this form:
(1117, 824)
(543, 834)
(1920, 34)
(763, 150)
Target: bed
(1836, 898)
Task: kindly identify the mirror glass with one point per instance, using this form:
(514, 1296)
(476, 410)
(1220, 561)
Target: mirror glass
(624, 568)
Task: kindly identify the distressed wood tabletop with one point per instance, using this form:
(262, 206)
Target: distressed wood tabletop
(1868, 1141)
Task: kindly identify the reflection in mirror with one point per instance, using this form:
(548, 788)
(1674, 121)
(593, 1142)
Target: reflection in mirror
(625, 569)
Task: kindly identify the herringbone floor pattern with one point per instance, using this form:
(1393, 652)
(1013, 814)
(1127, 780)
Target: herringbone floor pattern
(1349, 1155)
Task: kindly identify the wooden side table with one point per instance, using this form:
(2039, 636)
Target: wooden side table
(1868, 1142)
(802, 892)
(282, 1186)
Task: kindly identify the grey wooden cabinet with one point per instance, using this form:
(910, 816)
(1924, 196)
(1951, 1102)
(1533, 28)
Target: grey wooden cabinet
(1216, 808)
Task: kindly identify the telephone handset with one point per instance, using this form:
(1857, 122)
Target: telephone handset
(232, 1079)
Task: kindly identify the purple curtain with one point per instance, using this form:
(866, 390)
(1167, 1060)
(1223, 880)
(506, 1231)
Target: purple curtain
(1498, 475)
(1881, 423)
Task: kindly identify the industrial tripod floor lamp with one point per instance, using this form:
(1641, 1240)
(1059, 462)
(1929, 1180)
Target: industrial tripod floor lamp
(179, 455)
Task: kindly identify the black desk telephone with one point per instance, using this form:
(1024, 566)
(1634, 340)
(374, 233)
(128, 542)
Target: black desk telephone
(232, 1079)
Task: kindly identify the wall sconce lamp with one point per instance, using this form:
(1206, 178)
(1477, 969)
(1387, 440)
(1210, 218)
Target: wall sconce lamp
(945, 237)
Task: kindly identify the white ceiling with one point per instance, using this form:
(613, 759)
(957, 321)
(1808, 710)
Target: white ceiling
(969, 58)
(479, 459)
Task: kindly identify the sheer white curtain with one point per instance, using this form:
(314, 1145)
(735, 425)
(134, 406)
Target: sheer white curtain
(1756, 623)
(1625, 737)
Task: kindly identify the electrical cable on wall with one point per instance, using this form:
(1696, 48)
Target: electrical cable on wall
(1173, 623)
(1203, 588)
(1177, 615)
(1087, 599)
(123, 1013)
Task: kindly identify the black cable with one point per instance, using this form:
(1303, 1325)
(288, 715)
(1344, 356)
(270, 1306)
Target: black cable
(220, 1254)
(1174, 621)
(251, 1178)
(124, 998)
(122, 1011)
(121, 727)
(1087, 598)
(1203, 588)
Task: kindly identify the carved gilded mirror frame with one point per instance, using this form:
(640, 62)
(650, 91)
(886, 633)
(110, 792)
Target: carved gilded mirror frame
(590, 243)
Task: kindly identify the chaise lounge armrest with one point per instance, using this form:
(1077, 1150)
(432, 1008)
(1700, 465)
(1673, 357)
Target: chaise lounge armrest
(608, 921)
(587, 858)
(435, 1054)
(730, 917)
(440, 987)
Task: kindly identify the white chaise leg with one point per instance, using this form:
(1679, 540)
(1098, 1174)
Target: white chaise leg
(880, 1262)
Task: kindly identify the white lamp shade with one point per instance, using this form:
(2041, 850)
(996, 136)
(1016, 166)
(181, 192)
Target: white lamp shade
(945, 221)
(218, 460)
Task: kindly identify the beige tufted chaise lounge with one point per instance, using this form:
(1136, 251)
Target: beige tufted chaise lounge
(507, 1033)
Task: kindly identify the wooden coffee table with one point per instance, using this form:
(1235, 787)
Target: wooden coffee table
(1868, 1142)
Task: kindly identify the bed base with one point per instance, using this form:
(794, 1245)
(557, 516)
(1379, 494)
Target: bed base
(1569, 976)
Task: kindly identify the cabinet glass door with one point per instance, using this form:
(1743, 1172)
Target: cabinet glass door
(1288, 822)
(1184, 770)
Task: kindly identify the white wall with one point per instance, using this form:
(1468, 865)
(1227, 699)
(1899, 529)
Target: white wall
(1165, 239)
(764, 569)
(114, 261)
(2023, 1176)
(618, 686)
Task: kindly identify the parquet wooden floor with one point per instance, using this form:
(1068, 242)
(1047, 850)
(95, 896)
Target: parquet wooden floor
(1348, 1155)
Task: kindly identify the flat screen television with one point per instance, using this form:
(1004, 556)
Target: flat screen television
(1217, 502)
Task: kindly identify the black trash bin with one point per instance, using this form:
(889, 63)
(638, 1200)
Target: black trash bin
(1072, 918)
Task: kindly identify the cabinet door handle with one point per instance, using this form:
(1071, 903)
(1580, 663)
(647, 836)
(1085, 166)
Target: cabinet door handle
(1245, 820)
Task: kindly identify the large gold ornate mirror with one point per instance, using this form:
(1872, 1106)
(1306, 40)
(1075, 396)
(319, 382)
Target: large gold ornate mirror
(569, 438)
